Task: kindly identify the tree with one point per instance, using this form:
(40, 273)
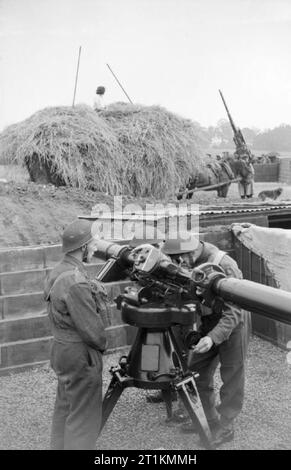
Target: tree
(249, 134)
(224, 131)
(277, 139)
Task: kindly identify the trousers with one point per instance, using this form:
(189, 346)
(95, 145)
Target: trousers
(78, 406)
(246, 188)
(231, 356)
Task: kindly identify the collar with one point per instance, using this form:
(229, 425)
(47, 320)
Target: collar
(74, 262)
(207, 254)
(201, 255)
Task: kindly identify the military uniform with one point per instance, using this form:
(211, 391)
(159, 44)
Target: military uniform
(229, 330)
(246, 185)
(76, 354)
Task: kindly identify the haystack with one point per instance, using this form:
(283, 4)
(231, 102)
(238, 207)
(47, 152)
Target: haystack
(66, 146)
(161, 149)
(123, 149)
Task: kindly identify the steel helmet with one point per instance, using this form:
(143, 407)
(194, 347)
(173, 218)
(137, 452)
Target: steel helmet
(159, 237)
(100, 90)
(77, 234)
(184, 243)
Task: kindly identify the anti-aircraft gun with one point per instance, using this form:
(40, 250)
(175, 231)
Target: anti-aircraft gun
(238, 138)
(164, 295)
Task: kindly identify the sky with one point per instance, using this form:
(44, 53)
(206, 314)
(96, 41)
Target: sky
(172, 53)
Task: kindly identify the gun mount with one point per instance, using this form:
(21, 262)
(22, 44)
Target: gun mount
(167, 283)
(164, 296)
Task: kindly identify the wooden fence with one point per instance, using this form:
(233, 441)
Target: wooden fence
(267, 172)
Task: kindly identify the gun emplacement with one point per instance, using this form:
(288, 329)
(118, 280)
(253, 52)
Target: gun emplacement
(164, 295)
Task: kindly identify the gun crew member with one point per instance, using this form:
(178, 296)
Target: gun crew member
(224, 338)
(98, 103)
(246, 184)
(78, 344)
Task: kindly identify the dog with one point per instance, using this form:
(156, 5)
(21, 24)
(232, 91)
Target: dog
(271, 194)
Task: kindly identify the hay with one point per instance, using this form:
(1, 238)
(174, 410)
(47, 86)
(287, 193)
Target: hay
(73, 145)
(122, 149)
(161, 148)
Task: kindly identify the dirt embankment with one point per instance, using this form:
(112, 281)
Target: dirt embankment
(32, 214)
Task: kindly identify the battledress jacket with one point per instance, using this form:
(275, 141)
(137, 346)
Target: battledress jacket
(75, 314)
(219, 326)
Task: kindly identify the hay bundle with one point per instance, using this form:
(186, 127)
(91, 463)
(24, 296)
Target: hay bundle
(161, 149)
(70, 146)
(122, 149)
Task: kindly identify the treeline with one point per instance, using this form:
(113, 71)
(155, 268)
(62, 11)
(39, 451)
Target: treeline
(221, 136)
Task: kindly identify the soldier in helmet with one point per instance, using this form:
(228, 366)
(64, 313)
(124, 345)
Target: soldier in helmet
(99, 97)
(156, 241)
(247, 173)
(222, 338)
(78, 344)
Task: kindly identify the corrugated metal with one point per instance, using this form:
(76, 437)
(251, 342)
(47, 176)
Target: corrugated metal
(235, 208)
(238, 210)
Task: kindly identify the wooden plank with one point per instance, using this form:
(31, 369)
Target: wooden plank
(24, 328)
(206, 188)
(23, 282)
(37, 350)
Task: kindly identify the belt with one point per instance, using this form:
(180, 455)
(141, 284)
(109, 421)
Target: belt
(67, 336)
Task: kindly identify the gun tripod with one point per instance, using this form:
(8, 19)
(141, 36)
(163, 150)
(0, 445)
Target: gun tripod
(156, 362)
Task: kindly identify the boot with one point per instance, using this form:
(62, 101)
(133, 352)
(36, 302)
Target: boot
(223, 434)
(190, 427)
(158, 398)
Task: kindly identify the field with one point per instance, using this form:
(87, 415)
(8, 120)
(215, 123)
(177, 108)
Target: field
(13, 173)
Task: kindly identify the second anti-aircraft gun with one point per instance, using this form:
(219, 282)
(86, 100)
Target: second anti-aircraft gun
(238, 138)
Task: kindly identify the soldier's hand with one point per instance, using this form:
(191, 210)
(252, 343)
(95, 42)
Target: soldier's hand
(204, 345)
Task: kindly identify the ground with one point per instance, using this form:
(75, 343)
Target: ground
(26, 403)
(32, 214)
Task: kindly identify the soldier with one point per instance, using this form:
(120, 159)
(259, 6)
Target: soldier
(78, 344)
(224, 338)
(99, 98)
(157, 240)
(246, 185)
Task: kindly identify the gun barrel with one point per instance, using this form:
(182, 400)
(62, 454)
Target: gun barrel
(107, 250)
(228, 114)
(263, 300)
